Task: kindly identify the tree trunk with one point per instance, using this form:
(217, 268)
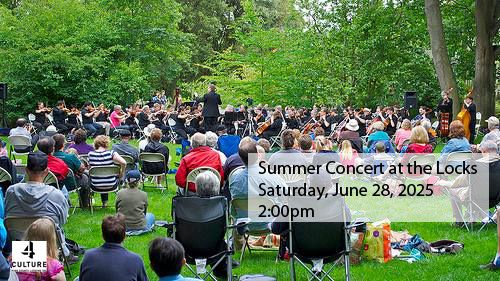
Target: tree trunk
(440, 51)
(487, 14)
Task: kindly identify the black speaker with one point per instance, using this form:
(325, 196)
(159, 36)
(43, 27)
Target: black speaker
(410, 100)
(3, 91)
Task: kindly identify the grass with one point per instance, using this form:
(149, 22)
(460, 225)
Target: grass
(480, 247)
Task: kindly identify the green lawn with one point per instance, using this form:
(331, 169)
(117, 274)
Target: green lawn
(479, 247)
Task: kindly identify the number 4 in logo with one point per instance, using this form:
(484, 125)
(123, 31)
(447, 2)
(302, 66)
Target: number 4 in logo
(28, 251)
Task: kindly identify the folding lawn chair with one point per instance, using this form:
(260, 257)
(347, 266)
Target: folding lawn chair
(191, 177)
(153, 165)
(19, 145)
(96, 174)
(208, 216)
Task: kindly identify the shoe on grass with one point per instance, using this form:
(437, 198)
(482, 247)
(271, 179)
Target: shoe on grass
(490, 266)
(72, 259)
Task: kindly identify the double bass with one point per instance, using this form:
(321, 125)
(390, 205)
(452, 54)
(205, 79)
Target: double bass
(465, 118)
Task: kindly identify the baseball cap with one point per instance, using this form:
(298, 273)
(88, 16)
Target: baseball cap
(37, 161)
(492, 120)
(133, 176)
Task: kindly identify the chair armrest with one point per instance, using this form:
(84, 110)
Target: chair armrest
(241, 225)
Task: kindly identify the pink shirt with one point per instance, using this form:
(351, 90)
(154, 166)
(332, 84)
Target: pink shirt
(115, 121)
(53, 268)
(401, 136)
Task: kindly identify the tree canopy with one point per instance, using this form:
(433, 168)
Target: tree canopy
(299, 52)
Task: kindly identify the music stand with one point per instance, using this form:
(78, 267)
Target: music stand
(249, 126)
(188, 103)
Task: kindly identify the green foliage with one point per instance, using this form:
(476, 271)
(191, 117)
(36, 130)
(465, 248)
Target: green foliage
(79, 51)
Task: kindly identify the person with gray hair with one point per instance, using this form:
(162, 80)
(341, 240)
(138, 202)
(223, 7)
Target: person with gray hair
(118, 117)
(428, 126)
(198, 139)
(207, 184)
(212, 139)
(493, 135)
(200, 156)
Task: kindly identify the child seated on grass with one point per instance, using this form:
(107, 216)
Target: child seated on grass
(133, 204)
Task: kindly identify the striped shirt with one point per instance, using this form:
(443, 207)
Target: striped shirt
(102, 158)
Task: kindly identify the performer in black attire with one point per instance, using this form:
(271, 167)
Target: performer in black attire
(276, 125)
(59, 113)
(364, 120)
(211, 102)
(445, 111)
(392, 121)
(41, 120)
(143, 117)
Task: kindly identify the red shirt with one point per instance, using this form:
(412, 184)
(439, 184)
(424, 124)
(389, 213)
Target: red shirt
(202, 156)
(58, 167)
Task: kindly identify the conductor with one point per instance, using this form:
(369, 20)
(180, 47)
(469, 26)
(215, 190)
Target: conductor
(211, 102)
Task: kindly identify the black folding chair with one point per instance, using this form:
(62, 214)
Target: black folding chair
(321, 242)
(201, 225)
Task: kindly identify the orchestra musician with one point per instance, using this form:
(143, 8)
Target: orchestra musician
(73, 117)
(275, 127)
(390, 121)
(41, 121)
(323, 121)
(117, 119)
(102, 118)
(445, 111)
(422, 115)
(180, 119)
(88, 114)
(143, 116)
(364, 120)
(60, 113)
(157, 116)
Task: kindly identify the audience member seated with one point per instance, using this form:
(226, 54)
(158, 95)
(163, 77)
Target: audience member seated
(306, 147)
(34, 198)
(402, 134)
(112, 261)
(212, 139)
(347, 154)
(351, 134)
(264, 144)
(288, 143)
(166, 257)
(241, 182)
(3, 149)
(133, 204)
(493, 134)
(324, 151)
(80, 143)
(72, 162)
(459, 188)
(155, 146)
(102, 156)
(147, 139)
(419, 141)
(8, 166)
(56, 165)
(49, 132)
(430, 131)
(43, 230)
(200, 156)
(21, 130)
(207, 184)
(457, 141)
(125, 148)
(378, 134)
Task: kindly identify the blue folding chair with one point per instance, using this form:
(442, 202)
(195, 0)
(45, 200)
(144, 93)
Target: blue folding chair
(229, 144)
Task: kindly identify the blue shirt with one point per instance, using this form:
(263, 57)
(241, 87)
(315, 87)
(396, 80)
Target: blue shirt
(112, 261)
(454, 145)
(177, 278)
(377, 136)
